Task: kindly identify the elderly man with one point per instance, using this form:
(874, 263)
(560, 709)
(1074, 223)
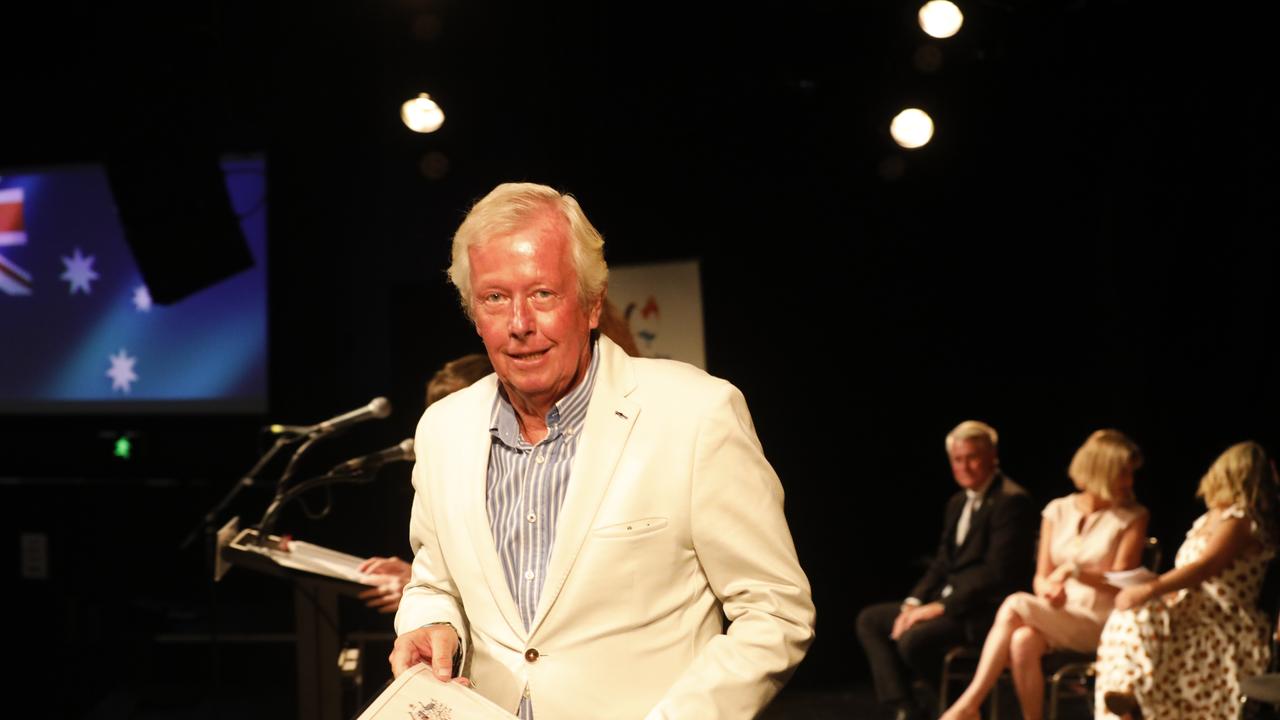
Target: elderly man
(586, 522)
(985, 553)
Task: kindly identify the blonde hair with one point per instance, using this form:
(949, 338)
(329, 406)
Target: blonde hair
(1106, 456)
(512, 207)
(970, 429)
(1244, 475)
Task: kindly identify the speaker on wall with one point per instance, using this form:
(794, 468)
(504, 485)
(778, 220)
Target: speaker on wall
(177, 219)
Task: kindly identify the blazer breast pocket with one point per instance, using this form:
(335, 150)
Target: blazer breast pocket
(630, 529)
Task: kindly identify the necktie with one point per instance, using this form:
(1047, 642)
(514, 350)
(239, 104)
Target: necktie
(962, 527)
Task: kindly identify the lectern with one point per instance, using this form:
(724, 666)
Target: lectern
(318, 576)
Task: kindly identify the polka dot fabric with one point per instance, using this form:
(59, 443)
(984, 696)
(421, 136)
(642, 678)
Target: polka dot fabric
(1183, 658)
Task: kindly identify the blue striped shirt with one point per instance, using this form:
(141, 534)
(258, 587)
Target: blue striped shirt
(526, 485)
(525, 488)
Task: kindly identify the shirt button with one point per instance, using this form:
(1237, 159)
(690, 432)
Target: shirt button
(541, 459)
(528, 574)
(531, 655)
(531, 517)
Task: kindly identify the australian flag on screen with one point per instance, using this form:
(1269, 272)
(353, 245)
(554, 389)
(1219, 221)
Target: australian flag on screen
(78, 330)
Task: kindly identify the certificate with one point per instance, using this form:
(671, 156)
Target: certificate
(418, 695)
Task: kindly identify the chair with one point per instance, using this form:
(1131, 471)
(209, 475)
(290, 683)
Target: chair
(1070, 666)
(1263, 691)
(968, 654)
(1258, 691)
(1061, 667)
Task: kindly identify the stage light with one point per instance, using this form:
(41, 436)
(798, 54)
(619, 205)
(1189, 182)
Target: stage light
(912, 128)
(422, 114)
(940, 18)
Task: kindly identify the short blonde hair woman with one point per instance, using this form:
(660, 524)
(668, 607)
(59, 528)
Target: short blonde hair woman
(1103, 462)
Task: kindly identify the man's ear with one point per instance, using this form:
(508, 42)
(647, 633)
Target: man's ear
(597, 307)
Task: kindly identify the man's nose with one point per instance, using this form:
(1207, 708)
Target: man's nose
(521, 321)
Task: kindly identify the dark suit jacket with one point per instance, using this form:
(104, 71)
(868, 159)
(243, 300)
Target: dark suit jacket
(996, 559)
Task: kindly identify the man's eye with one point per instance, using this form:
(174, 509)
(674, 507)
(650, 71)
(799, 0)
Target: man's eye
(492, 297)
(543, 294)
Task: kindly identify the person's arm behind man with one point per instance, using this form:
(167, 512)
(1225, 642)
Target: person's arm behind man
(746, 552)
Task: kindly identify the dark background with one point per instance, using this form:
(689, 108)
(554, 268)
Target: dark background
(1088, 242)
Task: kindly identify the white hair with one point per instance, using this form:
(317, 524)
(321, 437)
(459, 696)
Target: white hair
(512, 207)
(970, 429)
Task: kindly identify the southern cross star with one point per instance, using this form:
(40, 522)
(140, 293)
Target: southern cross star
(142, 298)
(121, 372)
(79, 272)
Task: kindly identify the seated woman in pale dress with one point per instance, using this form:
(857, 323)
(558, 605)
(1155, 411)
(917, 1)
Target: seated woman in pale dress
(1082, 536)
(1177, 647)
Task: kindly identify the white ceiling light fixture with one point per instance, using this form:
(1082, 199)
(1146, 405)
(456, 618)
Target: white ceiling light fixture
(421, 114)
(912, 128)
(940, 18)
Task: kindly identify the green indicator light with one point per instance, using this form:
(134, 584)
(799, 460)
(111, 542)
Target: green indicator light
(123, 448)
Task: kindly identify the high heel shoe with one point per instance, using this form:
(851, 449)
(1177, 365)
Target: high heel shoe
(1122, 704)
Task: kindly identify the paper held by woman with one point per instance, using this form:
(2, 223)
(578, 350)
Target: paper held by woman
(1129, 578)
(418, 695)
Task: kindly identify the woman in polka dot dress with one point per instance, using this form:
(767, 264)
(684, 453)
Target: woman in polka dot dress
(1177, 647)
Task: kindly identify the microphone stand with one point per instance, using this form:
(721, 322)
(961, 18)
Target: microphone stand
(330, 478)
(249, 480)
(279, 498)
(206, 524)
(377, 408)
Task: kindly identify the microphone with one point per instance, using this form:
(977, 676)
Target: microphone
(379, 407)
(373, 461)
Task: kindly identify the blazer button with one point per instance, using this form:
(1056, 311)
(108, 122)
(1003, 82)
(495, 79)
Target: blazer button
(531, 655)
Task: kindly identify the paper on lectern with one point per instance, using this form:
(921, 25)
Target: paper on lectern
(321, 560)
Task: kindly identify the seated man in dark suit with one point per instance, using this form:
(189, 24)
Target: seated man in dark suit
(986, 552)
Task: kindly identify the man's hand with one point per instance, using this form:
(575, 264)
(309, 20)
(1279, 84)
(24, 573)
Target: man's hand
(432, 644)
(912, 615)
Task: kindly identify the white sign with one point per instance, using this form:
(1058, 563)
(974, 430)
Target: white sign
(662, 302)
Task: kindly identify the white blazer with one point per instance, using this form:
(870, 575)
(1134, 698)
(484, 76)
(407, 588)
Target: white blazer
(672, 524)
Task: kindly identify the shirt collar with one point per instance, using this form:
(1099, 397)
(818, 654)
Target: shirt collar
(566, 417)
(980, 494)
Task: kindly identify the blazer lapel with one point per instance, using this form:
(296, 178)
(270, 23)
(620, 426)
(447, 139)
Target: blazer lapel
(473, 458)
(954, 507)
(610, 417)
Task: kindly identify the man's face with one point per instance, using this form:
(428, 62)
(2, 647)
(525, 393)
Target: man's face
(973, 460)
(525, 302)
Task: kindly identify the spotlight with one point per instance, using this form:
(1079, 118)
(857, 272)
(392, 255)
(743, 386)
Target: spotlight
(422, 114)
(912, 128)
(940, 18)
